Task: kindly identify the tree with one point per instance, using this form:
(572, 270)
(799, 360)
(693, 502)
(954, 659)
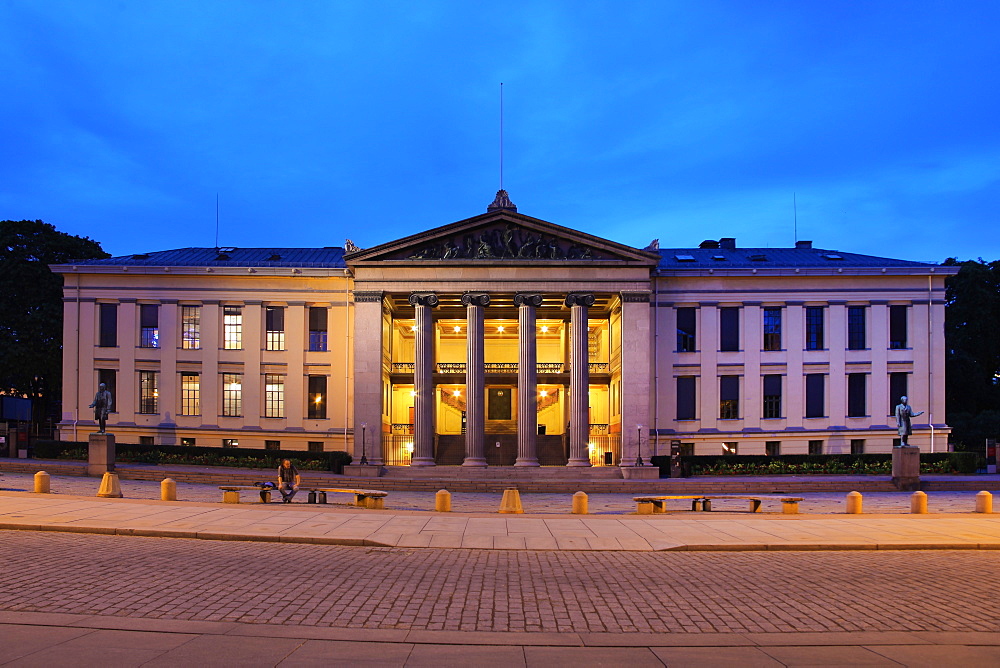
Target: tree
(972, 321)
(31, 312)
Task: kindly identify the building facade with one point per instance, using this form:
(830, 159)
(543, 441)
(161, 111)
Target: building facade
(507, 340)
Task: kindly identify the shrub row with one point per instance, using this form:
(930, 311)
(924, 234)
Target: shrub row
(871, 464)
(200, 455)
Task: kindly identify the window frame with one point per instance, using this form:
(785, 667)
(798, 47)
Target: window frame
(771, 321)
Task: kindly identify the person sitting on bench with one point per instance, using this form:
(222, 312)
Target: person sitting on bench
(288, 480)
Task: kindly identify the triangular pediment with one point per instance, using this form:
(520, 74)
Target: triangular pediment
(505, 237)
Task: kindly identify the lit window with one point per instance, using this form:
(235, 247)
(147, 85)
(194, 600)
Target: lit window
(149, 326)
(190, 327)
(232, 394)
(232, 325)
(190, 394)
(274, 332)
(148, 393)
(317, 397)
(274, 396)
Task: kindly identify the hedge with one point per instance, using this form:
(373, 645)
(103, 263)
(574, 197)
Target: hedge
(870, 464)
(200, 455)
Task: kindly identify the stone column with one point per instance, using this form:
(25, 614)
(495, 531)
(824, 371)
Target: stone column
(367, 369)
(475, 379)
(579, 379)
(527, 380)
(423, 380)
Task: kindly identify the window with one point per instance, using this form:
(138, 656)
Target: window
(772, 448)
(274, 324)
(110, 379)
(898, 387)
(772, 328)
(232, 327)
(230, 443)
(687, 449)
(149, 326)
(146, 440)
(272, 445)
(686, 330)
(856, 328)
(190, 394)
(108, 335)
(317, 397)
(729, 328)
(187, 441)
(815, 399)
(857, 401)
(772, 396)
(148, 392)
(729, 397)
(815, 447)
(897, 327)
(274, 396)
(730, 448)
(685, 398)
(814, 328)
(315, 446)
(232, 394)
(190, 327)
(857, 446)
(317, 327)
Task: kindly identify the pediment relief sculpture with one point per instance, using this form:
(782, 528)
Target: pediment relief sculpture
(509, 242)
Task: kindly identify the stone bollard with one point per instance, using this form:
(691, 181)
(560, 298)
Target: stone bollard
(918, 503)
(984, 502)
(168, 490)
(854, 503)
(110, 487)
(442, 501)
(580, 503)
(41, 483)
(511, 502)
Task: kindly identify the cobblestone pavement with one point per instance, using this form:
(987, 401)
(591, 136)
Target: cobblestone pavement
(500, 590)
(611, 504)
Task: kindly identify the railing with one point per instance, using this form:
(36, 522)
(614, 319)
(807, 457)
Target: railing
(598, 367)
(550, 367)
(598, 428)
(458, 368)
(402, 427)
(501, 367)
(397, 450)
(451, 367)
(403, 367)
(605, 449)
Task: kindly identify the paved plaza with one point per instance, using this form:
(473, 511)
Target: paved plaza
(103, 585)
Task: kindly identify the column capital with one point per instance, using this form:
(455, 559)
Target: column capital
(476, 299)
(367, 296)
(580, 299)
(635, 296)
(528, 299)
(424, 299)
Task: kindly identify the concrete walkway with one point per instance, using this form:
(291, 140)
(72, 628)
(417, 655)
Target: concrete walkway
(51, 639)
(344, 525)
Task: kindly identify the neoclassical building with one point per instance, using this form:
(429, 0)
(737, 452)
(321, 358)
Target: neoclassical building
(506, 340)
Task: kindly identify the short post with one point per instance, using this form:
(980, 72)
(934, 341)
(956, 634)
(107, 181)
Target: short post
(854, 501)
(918, 503)
(110, 487)
(168, 490)
(41, 483)
(580, 503)
(442, 501)
(984, 502)
(511, 502)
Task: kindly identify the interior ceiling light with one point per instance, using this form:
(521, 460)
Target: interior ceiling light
(499, 328)
(545, 329)
(544, 393)
(457, 328)
(457, 393)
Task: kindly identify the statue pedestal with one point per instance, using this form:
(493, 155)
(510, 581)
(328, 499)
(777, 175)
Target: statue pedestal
(101, 454)
(906, 468)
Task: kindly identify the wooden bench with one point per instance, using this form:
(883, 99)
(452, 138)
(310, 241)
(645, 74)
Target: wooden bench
(789, 504)
(649, 505)
(231, 493)
(363, 498)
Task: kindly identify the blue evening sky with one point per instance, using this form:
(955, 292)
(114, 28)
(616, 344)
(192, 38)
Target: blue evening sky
(683, 121)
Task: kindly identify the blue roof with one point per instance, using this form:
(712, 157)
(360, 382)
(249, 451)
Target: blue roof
(230, 257)
(749, 258)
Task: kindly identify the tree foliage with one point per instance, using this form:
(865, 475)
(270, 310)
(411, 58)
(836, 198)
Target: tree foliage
(972, 339)
(31, 314)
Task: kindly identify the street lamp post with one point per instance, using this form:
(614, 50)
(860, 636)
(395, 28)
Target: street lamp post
(364, 457)
(638, 458)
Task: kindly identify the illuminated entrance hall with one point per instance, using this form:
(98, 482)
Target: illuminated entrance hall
(508, 402)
